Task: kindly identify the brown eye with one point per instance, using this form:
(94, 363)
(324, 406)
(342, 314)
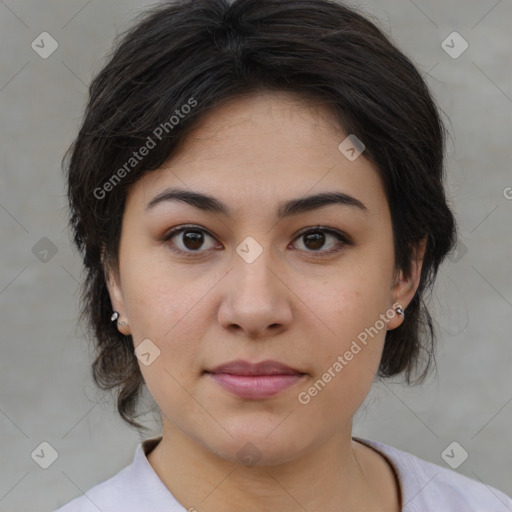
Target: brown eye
(315, 239)
(189, 240)
(193, 239)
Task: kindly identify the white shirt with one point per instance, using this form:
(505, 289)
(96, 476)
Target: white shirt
(425, 487)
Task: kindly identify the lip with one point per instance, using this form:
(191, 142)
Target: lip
(255, 380)
(267, 367)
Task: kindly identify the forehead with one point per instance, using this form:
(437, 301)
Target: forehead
(261, 149)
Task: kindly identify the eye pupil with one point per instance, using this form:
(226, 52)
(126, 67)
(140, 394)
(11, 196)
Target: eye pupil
(194, 241)
(317, 238)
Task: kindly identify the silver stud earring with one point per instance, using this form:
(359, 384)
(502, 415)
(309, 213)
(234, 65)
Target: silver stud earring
(115, 316)
(400, 311)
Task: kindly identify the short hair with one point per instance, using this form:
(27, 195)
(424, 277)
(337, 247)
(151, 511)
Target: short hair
(202, 53)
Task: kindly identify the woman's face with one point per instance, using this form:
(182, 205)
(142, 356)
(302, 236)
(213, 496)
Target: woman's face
(251, 284)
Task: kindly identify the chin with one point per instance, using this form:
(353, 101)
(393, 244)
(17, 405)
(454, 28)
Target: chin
(259, 446)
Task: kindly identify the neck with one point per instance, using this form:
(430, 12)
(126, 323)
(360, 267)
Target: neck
(328, 477)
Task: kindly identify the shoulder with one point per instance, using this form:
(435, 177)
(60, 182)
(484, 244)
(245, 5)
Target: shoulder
(426, 486)
(102, 496)
(136, 487)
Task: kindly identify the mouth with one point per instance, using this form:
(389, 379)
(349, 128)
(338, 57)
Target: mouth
(255, 380)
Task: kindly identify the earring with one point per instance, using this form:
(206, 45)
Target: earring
(115, 316)
(400, 311)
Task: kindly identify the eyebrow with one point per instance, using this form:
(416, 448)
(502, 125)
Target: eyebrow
(287, 208)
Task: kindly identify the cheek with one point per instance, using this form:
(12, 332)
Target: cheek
(345, 314)
(347, 303)
(163, 306)
(156, 295)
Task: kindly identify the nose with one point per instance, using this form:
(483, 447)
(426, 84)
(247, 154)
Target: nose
(256, 299)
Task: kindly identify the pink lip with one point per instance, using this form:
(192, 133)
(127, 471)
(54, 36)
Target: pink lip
(255, 380)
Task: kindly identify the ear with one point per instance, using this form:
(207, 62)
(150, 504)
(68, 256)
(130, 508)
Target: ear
(404, 288)
(113, 283)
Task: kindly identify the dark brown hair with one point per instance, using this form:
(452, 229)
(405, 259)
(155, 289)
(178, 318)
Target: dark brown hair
(202, 53)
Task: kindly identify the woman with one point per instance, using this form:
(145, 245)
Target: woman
(257, 192)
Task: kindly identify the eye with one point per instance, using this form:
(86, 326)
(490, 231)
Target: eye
(192, 240)
(315, 238)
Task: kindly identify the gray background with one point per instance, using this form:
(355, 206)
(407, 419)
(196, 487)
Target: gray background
(46, 392)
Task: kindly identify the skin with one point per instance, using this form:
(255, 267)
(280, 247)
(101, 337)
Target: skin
(287, 305)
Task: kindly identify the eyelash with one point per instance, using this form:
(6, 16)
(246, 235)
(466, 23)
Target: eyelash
(342, 238)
